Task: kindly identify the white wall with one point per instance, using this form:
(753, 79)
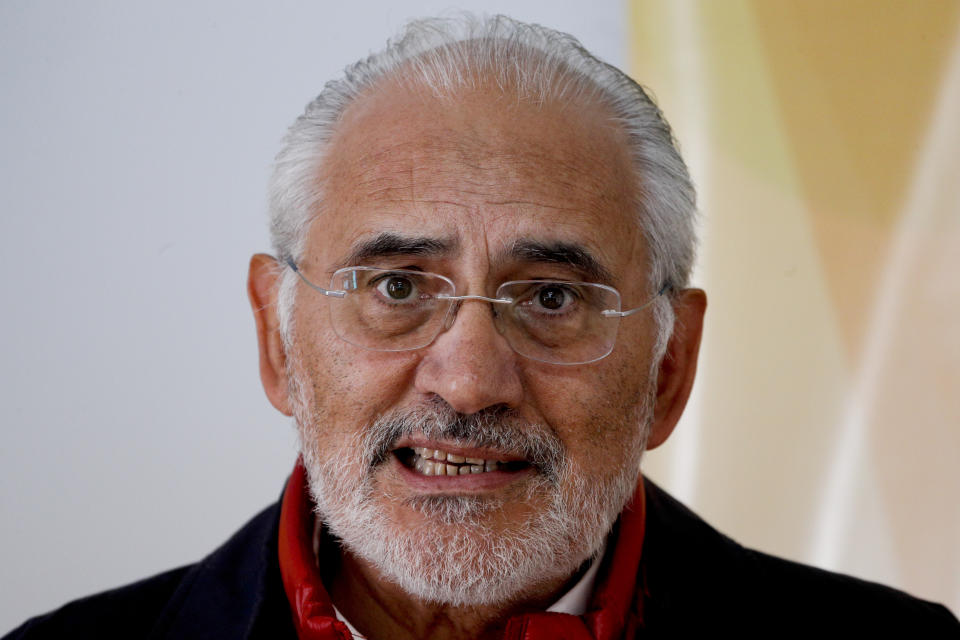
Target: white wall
(135, 143)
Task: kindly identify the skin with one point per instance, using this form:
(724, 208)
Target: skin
(478, 172)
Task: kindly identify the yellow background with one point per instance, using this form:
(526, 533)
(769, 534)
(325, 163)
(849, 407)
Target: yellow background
(824, 138)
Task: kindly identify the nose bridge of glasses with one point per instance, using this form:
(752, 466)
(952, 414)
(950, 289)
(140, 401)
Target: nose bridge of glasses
(456, 301)
(453, 298)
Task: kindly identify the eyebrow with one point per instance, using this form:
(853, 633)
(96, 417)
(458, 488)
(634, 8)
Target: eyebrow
(565, 253)
(389, 244)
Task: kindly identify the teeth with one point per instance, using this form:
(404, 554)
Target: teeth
(434, 462)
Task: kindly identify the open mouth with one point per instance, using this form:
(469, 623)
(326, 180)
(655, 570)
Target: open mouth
(437, 462)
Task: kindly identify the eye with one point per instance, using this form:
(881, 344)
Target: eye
(552, 297)
(397, 287)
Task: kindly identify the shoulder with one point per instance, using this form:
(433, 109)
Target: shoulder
(695, 574)
(226, 591)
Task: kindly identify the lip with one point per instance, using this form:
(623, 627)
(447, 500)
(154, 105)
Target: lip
(461, 450)
(473, 483)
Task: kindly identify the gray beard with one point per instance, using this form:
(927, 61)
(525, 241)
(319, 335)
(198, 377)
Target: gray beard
(455, 558)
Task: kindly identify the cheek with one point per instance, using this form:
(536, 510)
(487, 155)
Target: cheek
(349, 386)
(595, 410)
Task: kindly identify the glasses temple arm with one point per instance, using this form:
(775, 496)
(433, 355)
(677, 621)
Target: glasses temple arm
(630, 312)
(327, 292)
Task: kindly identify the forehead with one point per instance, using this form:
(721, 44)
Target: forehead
(481, 170)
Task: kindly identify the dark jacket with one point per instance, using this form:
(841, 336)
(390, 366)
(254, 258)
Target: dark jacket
(696, 580)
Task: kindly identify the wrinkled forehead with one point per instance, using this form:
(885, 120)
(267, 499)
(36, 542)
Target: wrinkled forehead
(480, 170)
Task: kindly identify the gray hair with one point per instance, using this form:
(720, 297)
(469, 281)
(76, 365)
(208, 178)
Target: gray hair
(539, 64)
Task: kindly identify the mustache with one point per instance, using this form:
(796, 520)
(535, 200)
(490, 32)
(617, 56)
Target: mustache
(497, 427)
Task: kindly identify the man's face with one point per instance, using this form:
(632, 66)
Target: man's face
(463, 183)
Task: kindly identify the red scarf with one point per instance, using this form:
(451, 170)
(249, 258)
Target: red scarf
(614, 612)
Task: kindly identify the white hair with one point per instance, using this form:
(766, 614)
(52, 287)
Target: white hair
(539, 64)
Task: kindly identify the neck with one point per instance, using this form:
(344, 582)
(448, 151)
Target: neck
(379, 609)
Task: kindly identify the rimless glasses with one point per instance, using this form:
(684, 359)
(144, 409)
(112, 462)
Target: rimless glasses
(552, 321)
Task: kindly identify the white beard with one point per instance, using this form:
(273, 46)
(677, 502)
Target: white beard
(454, 557)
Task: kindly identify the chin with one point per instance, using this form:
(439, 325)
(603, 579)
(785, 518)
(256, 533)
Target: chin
(463, 550)
(486, 548)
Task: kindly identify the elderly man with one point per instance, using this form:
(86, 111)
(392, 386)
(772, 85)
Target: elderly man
(478, 315)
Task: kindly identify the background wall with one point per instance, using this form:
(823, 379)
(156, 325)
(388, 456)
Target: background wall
(135, 143)
(824, 139)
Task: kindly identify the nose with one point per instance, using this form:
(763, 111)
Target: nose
(470, 365)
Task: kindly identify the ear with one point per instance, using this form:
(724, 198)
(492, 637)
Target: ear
(262, 287)
(679, 364)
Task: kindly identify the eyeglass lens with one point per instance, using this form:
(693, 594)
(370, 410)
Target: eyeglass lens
(549, 321)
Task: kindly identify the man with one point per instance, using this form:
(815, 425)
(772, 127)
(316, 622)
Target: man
(478, 315)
